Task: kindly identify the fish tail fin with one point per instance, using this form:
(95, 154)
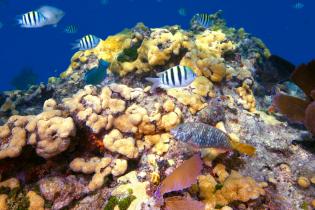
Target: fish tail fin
(75, 45)
(155, 83)
(18, 20)
(243, 148)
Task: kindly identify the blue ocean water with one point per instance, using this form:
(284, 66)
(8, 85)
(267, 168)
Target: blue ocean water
(287, 31)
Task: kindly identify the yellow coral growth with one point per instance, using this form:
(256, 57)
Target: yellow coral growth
(156, 56)
(36, 201)
(3, 202)
(147, 126)
(110, 48)
(235, 187)
(206, 186)
(170, 120)
(249, 102)
(219, 170)
(161, 142)
(201, 86)
(155, 178)
(155, 50)
(205, 57)
(213, 43)
(238, 188)
(192, 100)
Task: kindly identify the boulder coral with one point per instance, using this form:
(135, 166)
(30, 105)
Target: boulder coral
(49, 132)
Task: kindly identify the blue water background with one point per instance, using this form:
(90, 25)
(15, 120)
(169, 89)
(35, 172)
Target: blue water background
(288, 32)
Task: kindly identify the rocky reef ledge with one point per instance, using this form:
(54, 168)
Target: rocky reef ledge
(67, 145)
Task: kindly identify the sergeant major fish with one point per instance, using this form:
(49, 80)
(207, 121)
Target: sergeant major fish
(45, 15)
(205, 136)
(32, 19)
(71, 29)
(177, 76)
(87, 42)
(203, 19)
(52, 14)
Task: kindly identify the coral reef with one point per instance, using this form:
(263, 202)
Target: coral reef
(69, 145)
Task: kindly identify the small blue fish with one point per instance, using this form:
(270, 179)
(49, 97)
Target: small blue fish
(298, 5)
(32, 19)
(203, 19)
(71, 29)
(182, 12)
(177, 76)
(1, 25)
(87, 42)
(98, 74)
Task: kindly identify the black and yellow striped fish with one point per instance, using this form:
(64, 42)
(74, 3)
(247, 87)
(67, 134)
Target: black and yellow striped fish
(203, 19)
(32, 19)
(87, 42)
(177, 76)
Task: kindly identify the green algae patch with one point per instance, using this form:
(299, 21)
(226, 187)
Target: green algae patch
(122, 203)
(129, 54)
(17, 199)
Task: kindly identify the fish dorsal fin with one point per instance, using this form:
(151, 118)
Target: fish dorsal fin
(160, 73)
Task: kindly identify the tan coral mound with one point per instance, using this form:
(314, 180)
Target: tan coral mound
(115, 142)
(36, 201)
(187, 98)
(101, 167)
(12, 140)
(54, 135)
(235, 187)
(50, 132)
(128, 123)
